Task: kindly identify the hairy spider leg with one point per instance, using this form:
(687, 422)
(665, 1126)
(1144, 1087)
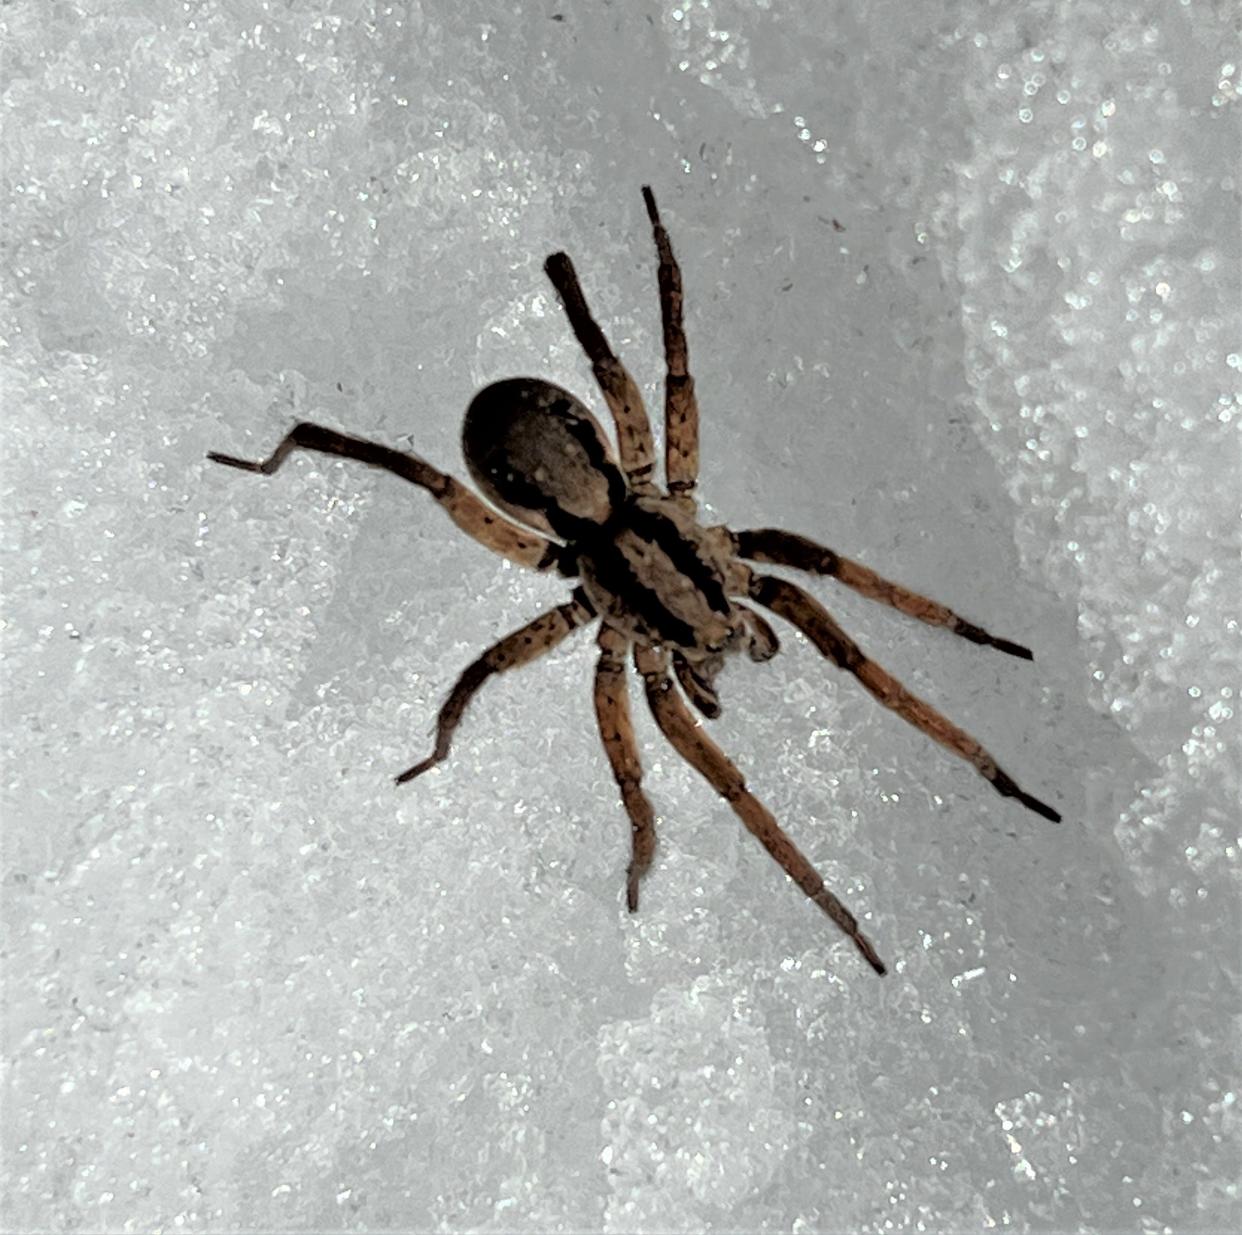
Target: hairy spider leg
(809, 616)
(688, 739)
(620, 391)
(681, 407)
(469, 513)
(769, 544)
(519, 648)
(612, 710)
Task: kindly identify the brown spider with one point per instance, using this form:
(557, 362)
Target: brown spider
(658, 580)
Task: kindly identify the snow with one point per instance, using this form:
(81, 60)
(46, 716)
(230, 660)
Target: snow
(962, 302)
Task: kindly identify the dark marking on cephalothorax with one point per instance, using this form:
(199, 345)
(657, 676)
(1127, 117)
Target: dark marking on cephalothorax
(653, 572)
(609, 569)
(684, 554)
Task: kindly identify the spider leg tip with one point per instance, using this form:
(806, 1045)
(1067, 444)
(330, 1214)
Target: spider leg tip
(1015, 649)
(870, 955)
(1007, 787)
(1040, 808)
(976, 634)
(242, 465)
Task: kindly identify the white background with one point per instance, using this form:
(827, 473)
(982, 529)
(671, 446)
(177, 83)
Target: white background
(962, 287)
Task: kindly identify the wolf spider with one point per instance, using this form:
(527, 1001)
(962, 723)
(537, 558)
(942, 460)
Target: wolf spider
(661, 583)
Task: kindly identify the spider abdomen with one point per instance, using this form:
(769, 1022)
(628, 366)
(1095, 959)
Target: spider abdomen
(540, 455)
(655, 574)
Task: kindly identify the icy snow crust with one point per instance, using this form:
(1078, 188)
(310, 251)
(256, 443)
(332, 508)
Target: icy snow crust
(962, 301)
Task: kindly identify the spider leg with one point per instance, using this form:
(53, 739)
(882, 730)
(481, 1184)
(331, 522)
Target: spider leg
(612, 710)
(698, 750)
(619, 388)
(467, 511)
(681, 407)
(789, 549)
(519, 648)
(810, 617)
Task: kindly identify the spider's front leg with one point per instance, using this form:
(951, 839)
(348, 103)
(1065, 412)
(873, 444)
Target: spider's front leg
(688, 739)
(612, 710)
(470, 514)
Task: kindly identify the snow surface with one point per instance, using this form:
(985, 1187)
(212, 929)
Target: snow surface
(963, 302)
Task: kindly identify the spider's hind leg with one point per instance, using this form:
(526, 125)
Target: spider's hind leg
(698, 750)
(681, 407)
(619, 389)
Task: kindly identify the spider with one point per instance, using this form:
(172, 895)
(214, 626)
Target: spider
(677, 594)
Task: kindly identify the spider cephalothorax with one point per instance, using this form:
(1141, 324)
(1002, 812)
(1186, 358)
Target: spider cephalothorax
(660, 583)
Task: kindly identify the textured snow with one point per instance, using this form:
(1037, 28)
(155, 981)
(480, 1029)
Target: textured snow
(962, 290)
